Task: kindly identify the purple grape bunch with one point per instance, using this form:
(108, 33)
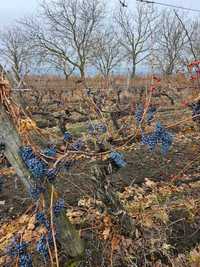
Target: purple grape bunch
(196, 111)
(89, 92)
(35, 191)
(159, 137)
(67, 137)
(58, 207)
(139, 114)
(26, 153)
(42, 247)
(36, 166)
(78, 145)
(25, 260)
(50, 151)
(2, 146)
(41, 219)
(117, 159)
(101, 128)
(1, 183)
(20, 250)
(45, 240)
(150, 114)
(17, 248)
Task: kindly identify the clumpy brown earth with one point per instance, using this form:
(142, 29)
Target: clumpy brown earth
(141, 164)
(166, 213)
(13, 198)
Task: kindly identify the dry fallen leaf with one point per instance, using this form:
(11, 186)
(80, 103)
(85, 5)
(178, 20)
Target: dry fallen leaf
(149, 183)
(115, 242)
(106, 233)
(23, 219)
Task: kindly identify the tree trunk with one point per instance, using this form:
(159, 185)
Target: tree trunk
(66, 76)
(82, 72)
(133, 69)
(13, 143)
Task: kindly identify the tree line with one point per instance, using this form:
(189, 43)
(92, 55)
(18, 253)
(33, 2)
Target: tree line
(74, 35)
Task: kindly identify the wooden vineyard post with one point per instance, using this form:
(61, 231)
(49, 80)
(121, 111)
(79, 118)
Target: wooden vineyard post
(68, 237)
(12, 140)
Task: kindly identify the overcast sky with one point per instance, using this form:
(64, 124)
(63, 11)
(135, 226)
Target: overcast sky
(15, 9)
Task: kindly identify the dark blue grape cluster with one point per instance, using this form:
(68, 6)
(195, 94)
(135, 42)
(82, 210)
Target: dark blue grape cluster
(36, 191)
(159, 136)
(68, 164)
(196, 111)
(101, 146)
(150, 140)
(26, 153)
(102, 128)
(150, 114)
(51, 174)
(89, 92)
(35, 165)
(139, 114)
(50, 238)
(58, 207)
(1, 183)
(45, 240)
(118, 159)
(67, 137)
(42, 246)
(50, 151)
(97, 128)
(91, 129)
(17, 249)
(2, 146)
(41, 219)
(78, 145)
(25, 260)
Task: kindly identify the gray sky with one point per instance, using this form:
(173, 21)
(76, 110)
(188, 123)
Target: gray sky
(15, 9)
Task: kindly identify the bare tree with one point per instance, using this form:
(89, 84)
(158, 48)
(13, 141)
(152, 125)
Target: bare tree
(107, 53)
(56, 62)
(191, 49)
(171, 41)
(135, 30)
(195, 39)
(67, 31)
(15, 52)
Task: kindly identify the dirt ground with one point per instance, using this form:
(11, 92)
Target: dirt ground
(141, 164)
